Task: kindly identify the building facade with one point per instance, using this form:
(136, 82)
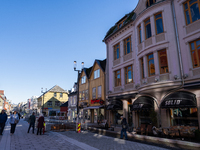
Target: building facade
(153, 64)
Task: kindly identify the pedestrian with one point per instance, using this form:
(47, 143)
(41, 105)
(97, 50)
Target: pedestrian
(31, 122)
(14, 119)
(124, 127)
(19, 115)
(3, 119)
(40, 124)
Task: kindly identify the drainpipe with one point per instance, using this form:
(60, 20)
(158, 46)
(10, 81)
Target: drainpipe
(179, 54)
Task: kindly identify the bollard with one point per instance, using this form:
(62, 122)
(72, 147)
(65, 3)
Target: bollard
(79, 128)
(44, 127)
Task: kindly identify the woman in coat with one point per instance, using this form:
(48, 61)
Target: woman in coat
(40, 124)
(14, 119)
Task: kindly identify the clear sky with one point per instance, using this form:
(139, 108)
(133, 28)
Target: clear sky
(40, 39)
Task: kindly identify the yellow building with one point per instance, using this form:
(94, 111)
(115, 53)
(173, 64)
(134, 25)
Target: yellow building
(49, 102)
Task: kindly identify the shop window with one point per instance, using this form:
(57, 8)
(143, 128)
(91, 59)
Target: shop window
(163, 61)
(117, 78)
(150, 2)
(159, 23)
(140, 34)
(191, 10)
(83, 79)
(127, 45)
(49, 103)
(195, 53)
(94, 93)
(116, 51)
(97, 73)
(142, 67)
(147, 28)
(151, 66)
(99, 91)
(128, 74)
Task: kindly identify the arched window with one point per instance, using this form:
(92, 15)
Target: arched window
(150, 2)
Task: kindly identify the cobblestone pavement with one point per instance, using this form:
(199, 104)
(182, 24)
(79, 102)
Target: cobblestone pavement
(21, 140)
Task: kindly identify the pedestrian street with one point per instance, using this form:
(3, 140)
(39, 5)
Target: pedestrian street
(21, 140)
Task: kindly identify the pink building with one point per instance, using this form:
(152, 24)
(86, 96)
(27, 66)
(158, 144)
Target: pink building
(153, 64)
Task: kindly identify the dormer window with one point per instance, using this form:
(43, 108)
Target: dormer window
(150, 2)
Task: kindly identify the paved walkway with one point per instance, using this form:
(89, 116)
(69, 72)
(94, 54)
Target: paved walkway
(21, 140)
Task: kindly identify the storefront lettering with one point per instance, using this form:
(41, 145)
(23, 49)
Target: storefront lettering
(93, 101)
(172, 102)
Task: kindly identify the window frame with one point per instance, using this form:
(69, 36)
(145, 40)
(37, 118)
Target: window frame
(54, 94)
(148, 3)
(140, 33)
(61, 94)
(159, 55)
(125, 45)
(83, 79)
(116, 46)
(99, 94)
(189, 12)
(142, 67)
(158, 19)
(116, 78)
(196, 52)
(148, 64)
(145, 25)
(126, 70)
(94, 93)
(56, 103)
(49, 102)
(97, 74)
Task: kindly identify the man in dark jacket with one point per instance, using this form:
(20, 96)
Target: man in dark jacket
(124, 127)
(31, 122)
(3, 119)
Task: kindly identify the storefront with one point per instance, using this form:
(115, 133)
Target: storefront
(143, 107)
(181, 109)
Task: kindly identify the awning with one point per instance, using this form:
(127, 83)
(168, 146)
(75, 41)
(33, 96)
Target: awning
(180, 99)
(93, 107)
(143, 103)
(115, 105)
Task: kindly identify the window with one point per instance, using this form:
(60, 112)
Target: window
(99, 91)
(97, 73)
(163, 61)
(150, 2)
(57, 103)
(140, 34)
(83, 79)
(94, 93)
(147, 28)
(128, 74)
(116, 51)
(191, 9)
(117, 78)
(159, 23)
(74, 100)
(142, 67)
(83, 95)
(55, 94)
(86, 95)
(151, 67)
(49, 103)
(127, 45)
(195, 53)
(61, 94)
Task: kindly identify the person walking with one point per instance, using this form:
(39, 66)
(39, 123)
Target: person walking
(3, 119)
(31, 122)
(14, 119)
(124, 127)
(40, 124)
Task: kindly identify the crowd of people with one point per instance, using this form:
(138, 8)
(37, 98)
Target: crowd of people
(14, 119)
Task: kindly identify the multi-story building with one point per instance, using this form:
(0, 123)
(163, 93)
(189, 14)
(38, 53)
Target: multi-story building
(51, 100)
(2, 99)
(153, 64)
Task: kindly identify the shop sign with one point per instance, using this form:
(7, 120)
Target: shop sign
(93, 101)
(172, 102)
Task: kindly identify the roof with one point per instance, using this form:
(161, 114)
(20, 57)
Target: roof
(64, 105)
(72, 93)
(128, 18)
(101, 63)
(87, 71)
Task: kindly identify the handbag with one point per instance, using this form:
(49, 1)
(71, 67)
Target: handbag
(16, 121)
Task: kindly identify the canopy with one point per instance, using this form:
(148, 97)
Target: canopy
(143, 103)
(180, 99)
(115, 105)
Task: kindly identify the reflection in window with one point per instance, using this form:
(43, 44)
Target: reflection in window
(163, 61)
(159, 23)
(191, 9)
(195, 53)
(128, 74)
(142, 66)
(151, 66)
(117, 78)
(116, 51)
(127, 45)
(147, 28)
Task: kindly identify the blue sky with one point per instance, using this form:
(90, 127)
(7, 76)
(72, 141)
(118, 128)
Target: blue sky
(40, 39)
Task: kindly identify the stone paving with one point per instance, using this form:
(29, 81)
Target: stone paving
(21, 140)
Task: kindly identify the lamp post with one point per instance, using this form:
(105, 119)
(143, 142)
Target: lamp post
(78, 84)
(43, 99)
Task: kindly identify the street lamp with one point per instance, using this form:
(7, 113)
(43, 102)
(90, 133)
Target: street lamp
(78, 83)
(43, 99)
